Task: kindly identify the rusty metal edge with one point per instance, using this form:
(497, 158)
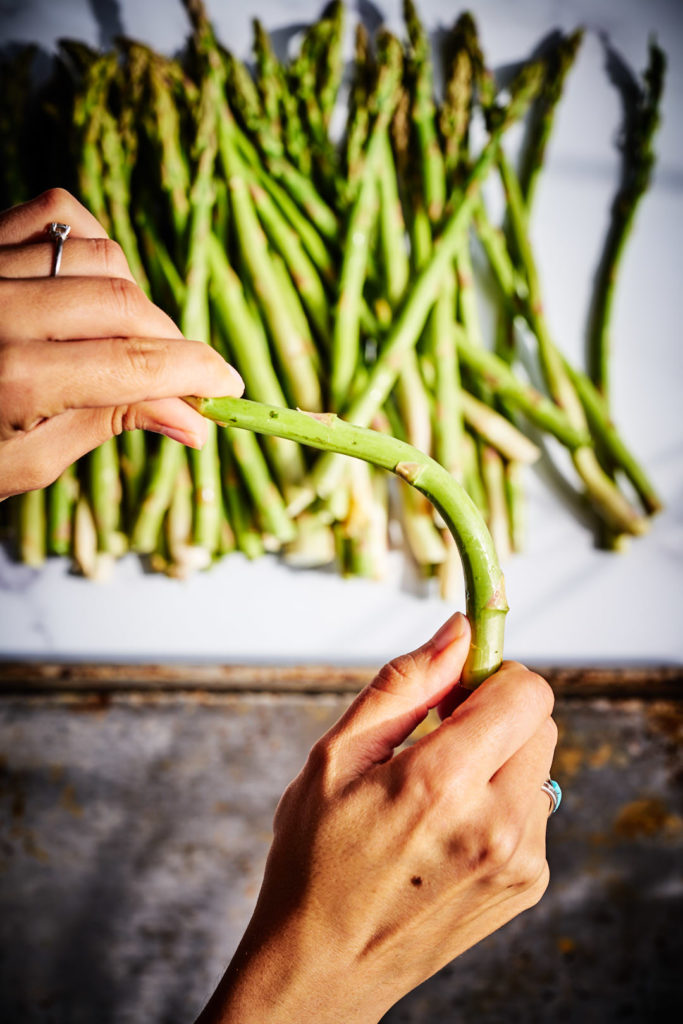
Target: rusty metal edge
(580, 682)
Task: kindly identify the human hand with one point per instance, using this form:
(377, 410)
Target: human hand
(385, 866)
(85, 355)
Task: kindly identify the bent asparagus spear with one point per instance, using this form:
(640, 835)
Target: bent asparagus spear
(486, 603)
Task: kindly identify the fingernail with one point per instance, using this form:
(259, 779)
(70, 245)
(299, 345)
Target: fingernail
(236, 386)
(451, 631)
(183, 436)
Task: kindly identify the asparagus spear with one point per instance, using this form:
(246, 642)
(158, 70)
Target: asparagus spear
(247, 536)
(286, 241)
(249, 348)
(61, 501)
(296, 356)
(410, 320)
(612, 505)
(275, 519)
(331, 65)
(486, 603)
(32, 533)
(306, 80)
(423, 114)
(559, 60)
(279, 103)
(638, 159)
(497, 431)
(345, 337)
(411, 398)
(358, 120)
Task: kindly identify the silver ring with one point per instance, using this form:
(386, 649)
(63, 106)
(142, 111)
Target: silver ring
(552, 789)
(59, 234)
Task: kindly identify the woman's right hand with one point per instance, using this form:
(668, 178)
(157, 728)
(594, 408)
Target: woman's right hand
(85, 355)
(386, 865)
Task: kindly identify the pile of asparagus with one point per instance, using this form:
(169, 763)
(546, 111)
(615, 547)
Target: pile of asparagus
(341, 272)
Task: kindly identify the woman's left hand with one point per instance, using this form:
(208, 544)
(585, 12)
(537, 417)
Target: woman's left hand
(85, 354)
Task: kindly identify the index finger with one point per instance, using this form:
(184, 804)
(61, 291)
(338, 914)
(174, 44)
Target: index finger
(487, 729)
(44, 378)
(29, 221)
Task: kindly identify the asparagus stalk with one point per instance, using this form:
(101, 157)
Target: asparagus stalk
(610, 440)
(411, 397)
(538, 409)
(269, 75)
(364, 531)
(448, 405)
(85, 541)
(358, 120)
(493, 478)
(455, 112)
(638, 157)
(485, 591)
(612, 505)
(174, 176)
(32, 532)
(296, 356)
(423, 114)
(195, 320)
(497, 431)
(331, 65)
(311, 240)
(104, 486)
(306, 80)
(249, 348)
(265, 496)
(88, 104)
(345, 337)
(411, 317)
(247, 536)
(116, 183)
(279, 103)
(304, 273)
(559, 61)
(516, 503)
(165, 465)
(61, 501)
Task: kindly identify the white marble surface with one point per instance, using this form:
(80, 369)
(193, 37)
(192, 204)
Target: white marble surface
(569, 602)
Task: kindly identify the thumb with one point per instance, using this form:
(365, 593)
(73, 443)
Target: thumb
(385, 713)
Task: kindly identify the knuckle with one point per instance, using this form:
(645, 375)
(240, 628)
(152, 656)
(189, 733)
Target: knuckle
(126, 298)
(531, 688)
(12, 368)
(501, 848)
(121, 419)
(429, 792)
(110, 255)
(18, 405)
(526, 868)
(393, 676)
(143, 358)
(493, 855)
(56, 203)
(321, 756)
(324, 761)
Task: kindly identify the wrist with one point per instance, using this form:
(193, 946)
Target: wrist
(280, 979)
